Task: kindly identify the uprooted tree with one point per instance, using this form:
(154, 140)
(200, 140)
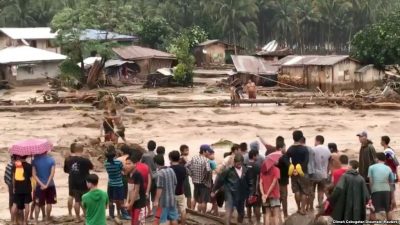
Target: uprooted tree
(105, 15)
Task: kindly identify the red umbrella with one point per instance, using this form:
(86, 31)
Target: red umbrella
(31, 147)
(270, 161)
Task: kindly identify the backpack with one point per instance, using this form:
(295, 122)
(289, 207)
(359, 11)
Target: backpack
(19, 171)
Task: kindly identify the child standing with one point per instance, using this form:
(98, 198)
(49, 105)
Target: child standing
(137, 195)
(94, 202)
(115, 188)
(22, 174)
(269, 187)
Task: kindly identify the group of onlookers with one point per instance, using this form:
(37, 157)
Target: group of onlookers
(145, 184)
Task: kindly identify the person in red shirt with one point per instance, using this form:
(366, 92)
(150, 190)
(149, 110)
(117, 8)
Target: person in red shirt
(144, 171)
(269, 187)
(337, 174)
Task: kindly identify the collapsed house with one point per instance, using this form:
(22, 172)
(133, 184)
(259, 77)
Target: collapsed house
(24, 65)
(149, 60)
(257, 69)
(120, 72)
(331, 73)
(214, 52)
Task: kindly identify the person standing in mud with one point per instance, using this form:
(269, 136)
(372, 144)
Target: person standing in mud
(44, 167)
(367, 155)
(107, 128)
(78, 169)
(298, 155)
(184, 149)
(200, 169)
(118, 122)
(251, 89)
(237, 183)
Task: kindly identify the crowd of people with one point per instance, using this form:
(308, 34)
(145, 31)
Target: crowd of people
(144, 184)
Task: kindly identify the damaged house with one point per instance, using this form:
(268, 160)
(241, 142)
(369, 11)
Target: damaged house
(149, 60)
(330, 73)
(24, 65)
(257, 69)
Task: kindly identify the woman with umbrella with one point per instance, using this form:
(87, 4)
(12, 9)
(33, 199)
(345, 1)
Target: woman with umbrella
(269, 187)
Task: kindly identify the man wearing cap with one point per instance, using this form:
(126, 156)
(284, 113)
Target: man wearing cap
(200, 171)
(367, 155)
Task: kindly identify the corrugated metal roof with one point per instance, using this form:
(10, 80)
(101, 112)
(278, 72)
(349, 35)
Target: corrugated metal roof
(365, 68)
(99, 35)
(137, 52)
(253, 65)
(116, 62)
(21, 54)
(209, 42)
(29, 33)
(312, 60)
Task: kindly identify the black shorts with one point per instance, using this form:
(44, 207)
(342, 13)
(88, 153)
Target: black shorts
(201, 193)
(10, 196)
(382, 201)
(187, 189)
(300, 185)
(77, 194)
(21, 199)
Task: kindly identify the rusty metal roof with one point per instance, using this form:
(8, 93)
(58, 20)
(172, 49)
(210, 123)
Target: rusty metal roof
(137, 52)
(253, 65)
(210, 42)
(312, 60)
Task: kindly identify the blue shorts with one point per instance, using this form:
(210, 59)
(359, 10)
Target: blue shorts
(167, 214)
(116, 193)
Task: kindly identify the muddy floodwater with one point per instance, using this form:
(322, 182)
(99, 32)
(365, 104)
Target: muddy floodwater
(195, 126)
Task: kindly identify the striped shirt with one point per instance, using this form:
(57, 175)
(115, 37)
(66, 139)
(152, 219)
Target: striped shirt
(8, 174)
(114, 171)
(166, 180)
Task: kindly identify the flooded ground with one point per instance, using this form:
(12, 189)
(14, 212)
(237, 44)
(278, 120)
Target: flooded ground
(192, 126)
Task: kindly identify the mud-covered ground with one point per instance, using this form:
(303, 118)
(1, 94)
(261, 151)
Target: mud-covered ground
(192, 126)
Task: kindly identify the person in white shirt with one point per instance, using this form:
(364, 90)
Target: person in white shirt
(319, 177)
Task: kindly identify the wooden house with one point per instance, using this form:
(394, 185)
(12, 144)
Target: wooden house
(214, 52)
(149, 60)
(330, 73)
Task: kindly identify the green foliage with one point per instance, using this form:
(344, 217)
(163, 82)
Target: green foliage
(183, 73)
(153, 31)
(70, 74)
(379, 44)
(195, 35)
(307, 26)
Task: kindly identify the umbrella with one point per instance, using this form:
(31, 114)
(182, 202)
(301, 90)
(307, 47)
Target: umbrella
(270, 161)
(31, 147)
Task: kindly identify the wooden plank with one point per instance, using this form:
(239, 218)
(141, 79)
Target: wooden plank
(44, 107)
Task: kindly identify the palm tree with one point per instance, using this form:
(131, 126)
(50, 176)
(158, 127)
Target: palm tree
(283, 19)
(306, 14)
(235, 16)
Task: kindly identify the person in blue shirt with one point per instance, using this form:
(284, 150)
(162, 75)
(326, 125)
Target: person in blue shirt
(115, 190)
(380, 177)
(44, 167)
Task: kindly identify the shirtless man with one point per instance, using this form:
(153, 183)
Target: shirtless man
(251, 89)
(334, 161)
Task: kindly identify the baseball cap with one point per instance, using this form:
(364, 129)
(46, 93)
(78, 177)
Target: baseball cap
(362, 134)
(206, 148)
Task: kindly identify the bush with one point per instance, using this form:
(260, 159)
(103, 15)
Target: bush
(70, 74)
